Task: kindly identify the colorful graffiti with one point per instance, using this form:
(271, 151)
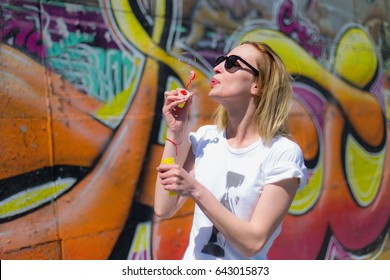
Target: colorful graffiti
(81, 92)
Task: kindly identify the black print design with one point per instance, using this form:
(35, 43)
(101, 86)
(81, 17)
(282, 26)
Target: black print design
(216, 243)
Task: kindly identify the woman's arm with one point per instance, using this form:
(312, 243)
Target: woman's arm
(176, 148)
(249, 237)
(165, 204)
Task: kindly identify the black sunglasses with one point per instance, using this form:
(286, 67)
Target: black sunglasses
(231, 64)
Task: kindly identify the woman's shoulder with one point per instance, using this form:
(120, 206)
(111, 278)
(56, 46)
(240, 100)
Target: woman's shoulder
(207, 127)
(204, 135)
(283, 142)
(283, 146)
(204, 130)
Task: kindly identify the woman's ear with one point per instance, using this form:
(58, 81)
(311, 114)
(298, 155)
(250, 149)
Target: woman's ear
(255, 90)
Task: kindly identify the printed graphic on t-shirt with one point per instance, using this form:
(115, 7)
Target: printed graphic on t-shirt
(217, 242)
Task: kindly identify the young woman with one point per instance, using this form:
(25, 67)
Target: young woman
(243, 171)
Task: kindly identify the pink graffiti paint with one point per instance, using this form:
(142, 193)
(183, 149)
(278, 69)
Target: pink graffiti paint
(291, 22)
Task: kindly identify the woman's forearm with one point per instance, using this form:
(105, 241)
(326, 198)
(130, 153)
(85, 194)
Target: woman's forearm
(249, 237)
(175, 152)
(241, 234)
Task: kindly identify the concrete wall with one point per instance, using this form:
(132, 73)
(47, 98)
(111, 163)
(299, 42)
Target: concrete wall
(81, 92)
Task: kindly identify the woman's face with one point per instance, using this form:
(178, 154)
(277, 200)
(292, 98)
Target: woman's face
(235, 84)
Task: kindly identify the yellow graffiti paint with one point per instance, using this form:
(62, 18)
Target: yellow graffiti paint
(300, 63)
(34, 197)
(307, 197)
(132, 31)
(140, 249)
(364, 171)
(158, 27)
(113, 110)
(355, 59)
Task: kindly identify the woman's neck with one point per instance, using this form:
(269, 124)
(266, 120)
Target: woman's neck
(241, 130)
(241, 133)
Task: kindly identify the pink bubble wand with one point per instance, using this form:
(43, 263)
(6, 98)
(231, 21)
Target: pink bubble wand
(184, 92)
(192, 77)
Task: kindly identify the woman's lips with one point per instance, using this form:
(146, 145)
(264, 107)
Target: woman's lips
(214, 82)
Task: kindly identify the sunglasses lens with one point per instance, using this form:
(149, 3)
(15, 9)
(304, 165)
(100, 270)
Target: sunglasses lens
(230, 62)
(219, 60)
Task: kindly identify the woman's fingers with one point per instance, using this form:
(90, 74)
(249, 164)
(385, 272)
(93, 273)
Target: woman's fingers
(173, 96)
(174, 178)
(169, 173)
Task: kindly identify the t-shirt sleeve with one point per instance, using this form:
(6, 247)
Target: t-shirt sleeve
(286, 163)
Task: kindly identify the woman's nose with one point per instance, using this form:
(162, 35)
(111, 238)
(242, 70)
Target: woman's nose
(217, 68)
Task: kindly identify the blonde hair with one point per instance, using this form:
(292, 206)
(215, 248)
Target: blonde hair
(273, 102)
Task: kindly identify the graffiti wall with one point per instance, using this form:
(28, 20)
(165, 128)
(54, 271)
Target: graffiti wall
(81, 92)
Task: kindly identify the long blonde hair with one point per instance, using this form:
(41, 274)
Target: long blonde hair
(273, 102)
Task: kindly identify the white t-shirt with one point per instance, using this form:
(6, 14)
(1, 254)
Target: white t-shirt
(236, 177)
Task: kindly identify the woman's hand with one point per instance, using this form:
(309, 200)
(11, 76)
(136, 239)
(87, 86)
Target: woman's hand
(176, 117)
(174, 178)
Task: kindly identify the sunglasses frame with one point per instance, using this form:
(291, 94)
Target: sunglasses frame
(223, 58)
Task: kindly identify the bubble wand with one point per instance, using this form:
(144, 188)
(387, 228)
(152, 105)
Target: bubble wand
(184, 92)
(192, 77)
